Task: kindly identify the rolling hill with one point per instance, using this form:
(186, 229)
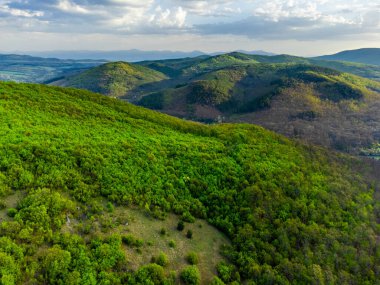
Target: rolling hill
(112, 79)
(89, 186)
(297, 97)
(24, 68)
(316, 104)
(365, 55)
(205, 63)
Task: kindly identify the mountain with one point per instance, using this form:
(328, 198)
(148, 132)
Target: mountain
(133, 55)
(257, 52)
(24, 68)
(204, 63)
(92, 189)
(112, 79)
(316, 104)
(297, 97)
(364, 55)
(252, 52)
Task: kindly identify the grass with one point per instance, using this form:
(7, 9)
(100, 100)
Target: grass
(10, 201)
(206, 242)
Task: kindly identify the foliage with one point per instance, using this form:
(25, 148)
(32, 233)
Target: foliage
(161, 259)
(114, 79)
(289, 95)
(180, 226)
(150, 274)
(192, 258)
(295, 214)
(189, 234)
(191, 276)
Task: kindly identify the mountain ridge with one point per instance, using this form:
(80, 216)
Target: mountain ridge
(364, 55)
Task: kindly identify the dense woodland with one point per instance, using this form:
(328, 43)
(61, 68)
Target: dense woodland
(295, 214)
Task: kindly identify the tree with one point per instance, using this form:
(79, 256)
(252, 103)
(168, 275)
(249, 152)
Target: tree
(192, 258)
(180, 226)
(56, 265)
(191, 276)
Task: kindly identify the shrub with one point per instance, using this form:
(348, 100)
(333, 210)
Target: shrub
(187, 217)
(172, 244)
(216, 281)
(2, 205)
(189, 234)
(225, 272)
(192, 258)
(110, 207)
(150, 274)
(12, 212)
(162, 259)
(162, 232)
(191, 276)
(132, 241)
(180, 226)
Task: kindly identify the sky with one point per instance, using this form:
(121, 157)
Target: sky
(299, 27)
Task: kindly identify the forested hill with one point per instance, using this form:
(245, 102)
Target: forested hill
(317, 104)
(72, 162)
(113, 79)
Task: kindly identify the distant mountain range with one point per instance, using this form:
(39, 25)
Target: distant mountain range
(133, 55)
(364, 55)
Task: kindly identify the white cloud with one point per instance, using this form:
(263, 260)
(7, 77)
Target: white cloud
(167, 18)
(4, 8)
(254, 19)
(70, 7)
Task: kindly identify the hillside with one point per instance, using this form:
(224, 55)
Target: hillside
(89, 187)
(191, 66)
(317, 104)
(364, 55)
(112, 79)
(23, 68)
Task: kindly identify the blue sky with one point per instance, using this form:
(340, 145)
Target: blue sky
(296, 26)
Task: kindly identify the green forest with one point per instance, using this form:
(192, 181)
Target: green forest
(71, 159)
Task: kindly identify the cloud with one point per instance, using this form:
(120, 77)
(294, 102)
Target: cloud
(255, 19)
(166, 18)
(300, 20)
(6, 10)
(70, 7)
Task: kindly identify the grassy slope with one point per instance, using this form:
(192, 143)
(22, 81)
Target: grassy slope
(113, 79)
(294, 214)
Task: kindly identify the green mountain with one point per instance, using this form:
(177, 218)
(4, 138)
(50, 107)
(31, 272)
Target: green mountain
(333, 109)
(89, 185)
(191, 66)
(112, 79)
(317, 104)
(23, 68)
(364, 55)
